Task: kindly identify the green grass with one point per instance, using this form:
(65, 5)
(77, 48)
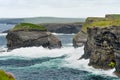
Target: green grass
(94, 19)
(4, 76)
(89, 21)
(112, 64)
(101, 24)
(28, 26)
(112, 16)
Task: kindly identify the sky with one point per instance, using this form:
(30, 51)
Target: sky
(58, 8)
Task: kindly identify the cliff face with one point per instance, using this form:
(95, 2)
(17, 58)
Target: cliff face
(66, 28)
(102, 22)
(103, 48)
(32, 38)
(26, 36)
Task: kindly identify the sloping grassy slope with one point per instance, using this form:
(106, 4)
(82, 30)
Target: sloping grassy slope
(109, 20)
(28, 26)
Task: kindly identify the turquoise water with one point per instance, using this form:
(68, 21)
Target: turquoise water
(37, 63)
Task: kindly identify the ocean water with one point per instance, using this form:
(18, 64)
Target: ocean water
(37, 63)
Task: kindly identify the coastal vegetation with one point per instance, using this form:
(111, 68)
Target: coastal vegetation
(6, 76)
(28, 26)
(109, 20)
(112, 64)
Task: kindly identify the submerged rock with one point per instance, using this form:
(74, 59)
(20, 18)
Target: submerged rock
(26, 37)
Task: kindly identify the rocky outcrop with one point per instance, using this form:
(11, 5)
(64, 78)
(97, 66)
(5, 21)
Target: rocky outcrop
(89, 44)
(103, 48)
(79, 39)
(90, 22)
(17, 39)
(6, 75)
(28, 35)
(66, 28)
(102, 53)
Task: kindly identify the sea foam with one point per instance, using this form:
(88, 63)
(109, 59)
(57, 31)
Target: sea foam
(71, 60)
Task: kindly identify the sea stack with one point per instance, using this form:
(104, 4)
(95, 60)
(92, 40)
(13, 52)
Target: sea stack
(28, 35)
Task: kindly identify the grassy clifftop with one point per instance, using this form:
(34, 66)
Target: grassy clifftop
(112, 16)
(108, 20)
(28, 26)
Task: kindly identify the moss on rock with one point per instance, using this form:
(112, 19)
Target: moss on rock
(112, 64)
(28, 26)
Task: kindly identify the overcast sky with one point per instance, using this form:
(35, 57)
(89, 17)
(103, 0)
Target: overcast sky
(58, 8)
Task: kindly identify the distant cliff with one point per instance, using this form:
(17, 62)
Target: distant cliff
(38, 20)
(66, 28)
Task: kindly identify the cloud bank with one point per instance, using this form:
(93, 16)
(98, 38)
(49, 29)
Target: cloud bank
(58, 8)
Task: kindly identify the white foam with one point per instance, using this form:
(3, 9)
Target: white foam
(3, 34)
(73, 62)
(62, 34)
(38, 52)
(71, 59)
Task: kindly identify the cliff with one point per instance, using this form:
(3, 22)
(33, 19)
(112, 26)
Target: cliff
(66, 28)
(107, 21)
(103, 48)
(28, 35)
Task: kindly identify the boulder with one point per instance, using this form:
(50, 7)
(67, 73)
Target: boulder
(79, 39)
(17, 38)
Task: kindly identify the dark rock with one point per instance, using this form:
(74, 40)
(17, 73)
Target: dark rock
(89, 44)
(102, 46)
(17, 39)
(66, 28)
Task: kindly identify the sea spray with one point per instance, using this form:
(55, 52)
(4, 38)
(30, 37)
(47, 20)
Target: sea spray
(71, 60)
(3, 34)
